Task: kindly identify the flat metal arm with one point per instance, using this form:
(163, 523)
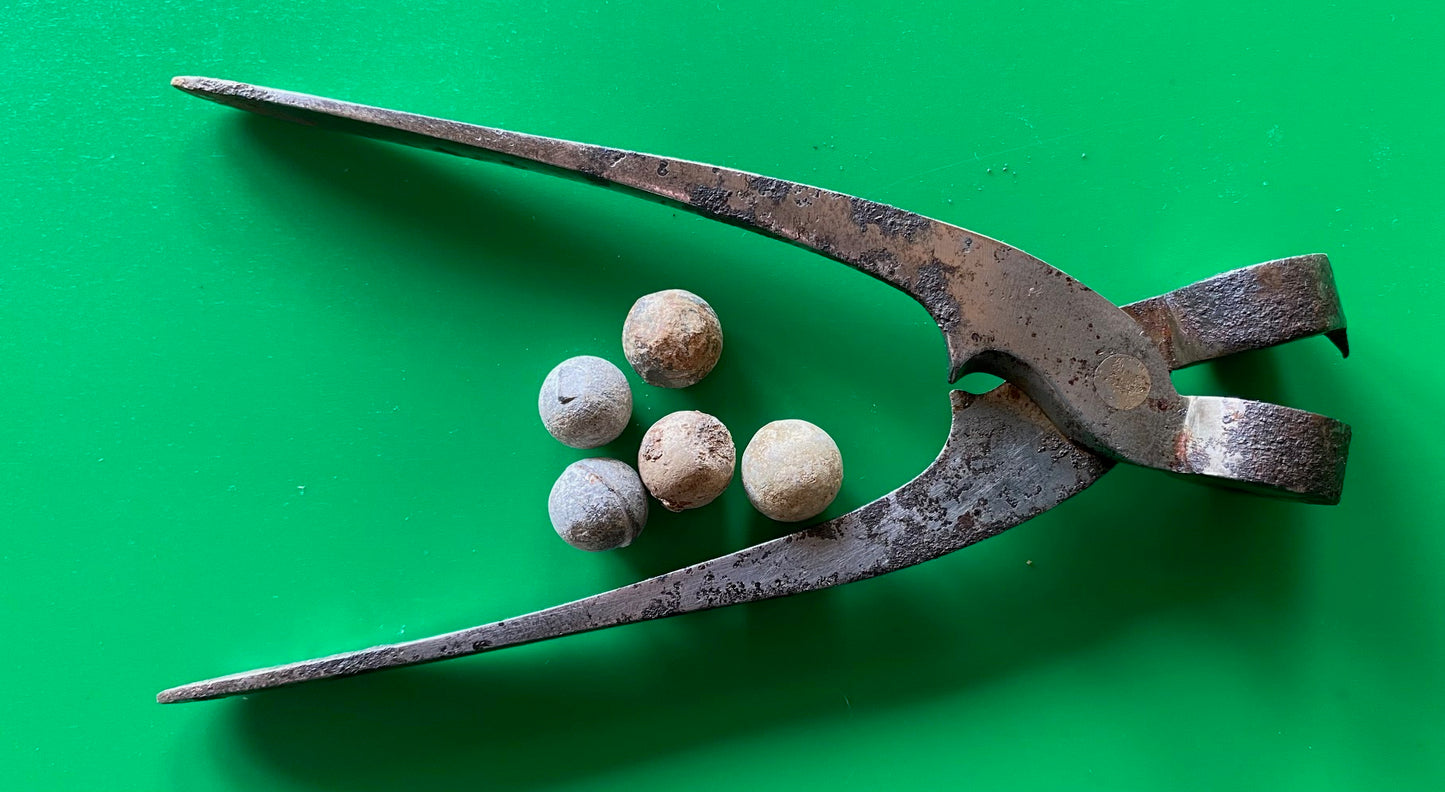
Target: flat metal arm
(1078, 356)
(1003, 463)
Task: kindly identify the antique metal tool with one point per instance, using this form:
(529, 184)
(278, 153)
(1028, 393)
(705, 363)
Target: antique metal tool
(1088, 381)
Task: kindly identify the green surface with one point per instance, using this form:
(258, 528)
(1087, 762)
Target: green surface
(270, 393)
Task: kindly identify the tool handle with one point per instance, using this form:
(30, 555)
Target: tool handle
(1031, 467)
(1001, 310)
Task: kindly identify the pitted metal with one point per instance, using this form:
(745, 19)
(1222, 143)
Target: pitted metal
(1245, 309)
(1004, 462)
(1001, 310)
(1090, 382)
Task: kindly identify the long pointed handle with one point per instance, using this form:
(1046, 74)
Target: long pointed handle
(1000, 309)
(1034, 468)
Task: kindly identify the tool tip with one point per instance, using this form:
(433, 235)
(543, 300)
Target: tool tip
(205, 86)
(199, 691)
(170, 696)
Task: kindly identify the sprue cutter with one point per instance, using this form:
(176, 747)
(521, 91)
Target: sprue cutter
(1087, 381)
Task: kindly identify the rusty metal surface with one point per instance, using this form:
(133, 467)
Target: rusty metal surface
(1097, 375)
(1245, 309)
(1077, 355)
(1003, 463)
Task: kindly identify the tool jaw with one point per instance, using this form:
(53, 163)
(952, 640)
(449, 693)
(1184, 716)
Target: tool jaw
(1265, 449)
(1004, 462)
(1247, 308)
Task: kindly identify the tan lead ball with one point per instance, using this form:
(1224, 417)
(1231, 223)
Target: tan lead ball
(686, 459)
(792, 470)
(672, 338)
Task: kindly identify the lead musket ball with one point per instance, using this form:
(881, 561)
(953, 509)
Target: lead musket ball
(672, 338)
(598, 504)
(585, 402)
(686, 459)
(792, 470)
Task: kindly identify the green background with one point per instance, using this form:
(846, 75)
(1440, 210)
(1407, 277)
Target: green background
(270, 393)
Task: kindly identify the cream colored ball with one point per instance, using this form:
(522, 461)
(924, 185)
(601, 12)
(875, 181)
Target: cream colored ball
(792, 470)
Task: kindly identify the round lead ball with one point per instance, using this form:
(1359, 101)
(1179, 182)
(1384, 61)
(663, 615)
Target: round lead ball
(792, 470)
(686, 459)
(585, 402)
(598, 504)
(672, 338)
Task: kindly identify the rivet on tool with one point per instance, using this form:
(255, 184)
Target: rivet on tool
(1122, 382)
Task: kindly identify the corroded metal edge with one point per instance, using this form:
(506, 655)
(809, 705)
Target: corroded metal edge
(1003, 464)
(1078, 356)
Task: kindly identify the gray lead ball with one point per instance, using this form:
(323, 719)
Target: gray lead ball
(598, 504)
(585, 402)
